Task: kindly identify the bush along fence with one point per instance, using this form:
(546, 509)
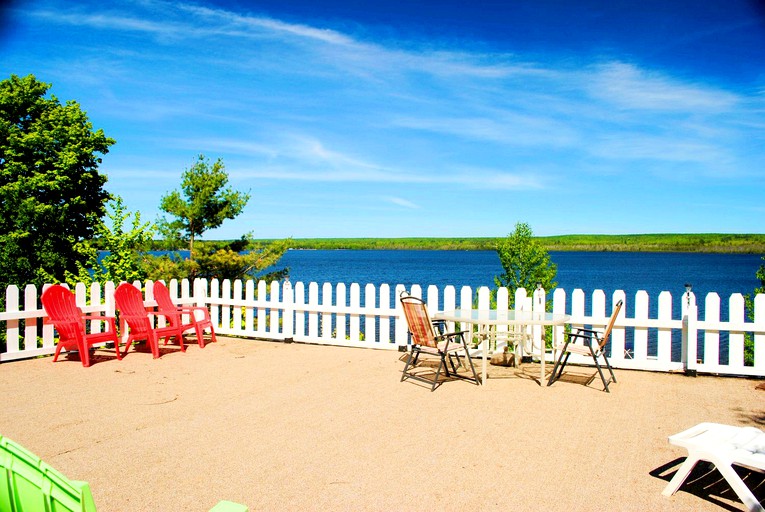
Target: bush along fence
(666, 335)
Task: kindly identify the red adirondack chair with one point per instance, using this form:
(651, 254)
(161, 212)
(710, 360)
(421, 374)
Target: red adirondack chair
(60, 306)
(137, 318)
(174, 314)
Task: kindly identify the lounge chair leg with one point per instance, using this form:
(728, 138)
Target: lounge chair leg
(682, 473)
(742, 491)
(726, 470)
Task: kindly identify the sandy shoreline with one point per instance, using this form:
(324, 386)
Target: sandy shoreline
(300, 427)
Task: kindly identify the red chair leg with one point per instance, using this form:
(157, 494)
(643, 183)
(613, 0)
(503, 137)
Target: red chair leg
(200, 335)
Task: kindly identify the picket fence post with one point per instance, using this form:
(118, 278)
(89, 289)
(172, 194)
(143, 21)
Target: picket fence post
(288, 303)
(759, 339)
(689, 344)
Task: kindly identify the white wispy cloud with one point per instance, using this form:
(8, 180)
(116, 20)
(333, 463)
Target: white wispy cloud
(267, 24)
(401, 202)
(328, 85)
(629, 87)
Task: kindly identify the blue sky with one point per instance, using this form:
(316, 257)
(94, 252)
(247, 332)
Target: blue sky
(421, 118)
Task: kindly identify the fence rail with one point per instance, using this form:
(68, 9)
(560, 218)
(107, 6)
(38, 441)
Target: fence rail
(665, 336)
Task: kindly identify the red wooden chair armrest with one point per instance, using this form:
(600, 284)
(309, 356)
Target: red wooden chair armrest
(110, 321)
(126, 316)
(97, 317)
(47, 320)
(191, 309)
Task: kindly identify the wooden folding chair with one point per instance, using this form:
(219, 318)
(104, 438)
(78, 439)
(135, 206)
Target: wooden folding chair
(426, 341)
(593, 344)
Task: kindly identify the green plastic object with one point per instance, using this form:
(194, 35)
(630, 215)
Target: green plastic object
(27, 484)
(228, 506)
(30, 485)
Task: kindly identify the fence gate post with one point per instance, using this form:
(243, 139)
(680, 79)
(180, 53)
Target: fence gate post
(288, 323)
(689, 353)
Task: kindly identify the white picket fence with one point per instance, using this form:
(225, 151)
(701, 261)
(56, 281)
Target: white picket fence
(347, 316)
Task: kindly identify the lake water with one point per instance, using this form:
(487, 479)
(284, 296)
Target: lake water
(628, 271)
(609, 271)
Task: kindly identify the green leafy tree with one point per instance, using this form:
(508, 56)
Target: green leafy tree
(525, 262)
(124, 238)
(203, 202)
(243, 259)
(239, 259)
(51, 193)
(748, 339)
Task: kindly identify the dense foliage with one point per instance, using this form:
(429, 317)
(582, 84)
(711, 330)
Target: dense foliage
(203, 202)
(525, 261)
(237, 259)
(51, 194)
(122, 260)
(749, 340)
(674, 242)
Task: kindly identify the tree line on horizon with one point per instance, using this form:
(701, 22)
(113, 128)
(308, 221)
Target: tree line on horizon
(711, 242)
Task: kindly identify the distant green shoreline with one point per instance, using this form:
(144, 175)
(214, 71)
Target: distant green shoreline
(705, 242)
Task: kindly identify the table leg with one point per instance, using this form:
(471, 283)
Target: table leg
(542, 363)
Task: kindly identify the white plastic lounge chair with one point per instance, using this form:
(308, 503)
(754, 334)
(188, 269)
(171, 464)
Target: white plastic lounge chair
(724, 446)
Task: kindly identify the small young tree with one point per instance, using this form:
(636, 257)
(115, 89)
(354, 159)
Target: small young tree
(51, 193)
(203, 202)
(123, 261)
(525, 262)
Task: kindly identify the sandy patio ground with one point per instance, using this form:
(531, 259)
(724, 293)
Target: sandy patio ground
(299, 427)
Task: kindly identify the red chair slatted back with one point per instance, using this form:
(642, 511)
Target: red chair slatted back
(130, 304)
(418, 320)
(60, 306)
(162, 296)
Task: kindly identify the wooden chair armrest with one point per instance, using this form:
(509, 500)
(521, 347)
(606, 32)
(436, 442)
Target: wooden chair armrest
(584, 336)
(590, 331)
(441, 337)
